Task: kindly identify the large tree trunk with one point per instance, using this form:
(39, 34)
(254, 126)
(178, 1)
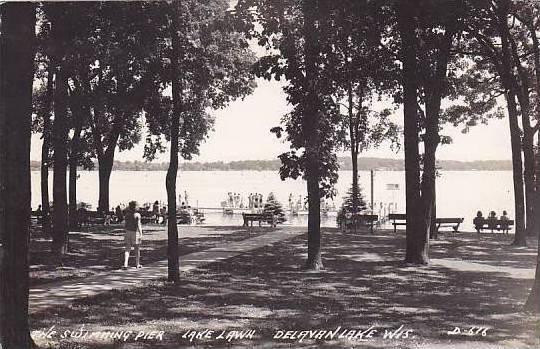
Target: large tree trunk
(432, 138)
(80, 113)
(170, 183)
(520, 236)
(355, 188)
(314, 260)
(59, 136)
(533, 301)
(16, 75)
(104, 173)
(355, 185)
(428, 188)
(311, 123)
(172, 172)
(45, 152)
(521, 91)
(353, 134)
(72, 195)
(431, 142)
(536, 49)
(528, 176)
(417, 243)
(354, 138)
(105, 163)
(536, 226)
(105, 154)
(527, 145)
(509, 83)
(73, 163)
(60, 133)
(433, 232)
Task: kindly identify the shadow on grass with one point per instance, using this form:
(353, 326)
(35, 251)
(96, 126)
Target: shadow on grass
(364, 283)
(100, 248)
(493, 249)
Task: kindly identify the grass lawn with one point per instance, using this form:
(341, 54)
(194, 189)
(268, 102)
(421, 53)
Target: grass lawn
(474, 283)
(101, 248)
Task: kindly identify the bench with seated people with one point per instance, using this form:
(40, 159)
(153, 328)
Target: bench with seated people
(503, 224)
(500, 225)
(259, 217)
(401, 219)
(350, 220)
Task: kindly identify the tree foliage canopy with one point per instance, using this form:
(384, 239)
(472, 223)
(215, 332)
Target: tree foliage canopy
(215, 66)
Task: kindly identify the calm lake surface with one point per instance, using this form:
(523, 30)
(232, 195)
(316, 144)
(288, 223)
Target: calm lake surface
(459, 193)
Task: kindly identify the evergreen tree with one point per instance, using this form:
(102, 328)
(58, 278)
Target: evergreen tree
(275, 207)
(352, 198)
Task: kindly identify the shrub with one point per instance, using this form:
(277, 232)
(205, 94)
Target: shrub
(348, 203)
(273, 206)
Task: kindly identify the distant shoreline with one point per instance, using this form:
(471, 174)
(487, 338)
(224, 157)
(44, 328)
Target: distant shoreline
(364, 164)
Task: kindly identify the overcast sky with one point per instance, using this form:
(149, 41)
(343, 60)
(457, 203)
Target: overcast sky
(242, 132)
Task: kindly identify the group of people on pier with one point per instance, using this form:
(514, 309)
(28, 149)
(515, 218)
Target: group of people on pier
(236, 200)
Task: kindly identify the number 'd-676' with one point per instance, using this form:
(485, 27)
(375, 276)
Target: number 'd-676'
(473, 331)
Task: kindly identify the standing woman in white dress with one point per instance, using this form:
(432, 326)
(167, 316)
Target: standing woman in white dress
(133, 234)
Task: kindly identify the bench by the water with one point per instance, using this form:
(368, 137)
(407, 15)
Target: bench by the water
(259, 217)
(37, 215)
(397, 219)
(495, 224)
(148, 216)
(183, 217)
(86, 217)
(452, 222)
(401, 219)
(352, 220)
(198, 216)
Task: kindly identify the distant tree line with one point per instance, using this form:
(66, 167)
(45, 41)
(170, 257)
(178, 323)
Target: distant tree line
(345, 164)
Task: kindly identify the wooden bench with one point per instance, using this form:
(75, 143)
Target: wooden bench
(397, 219)
(147, 217)
(183, 217)
(198, 216)
(86, 217)
(259, 217)
(496, 224)
(37, 216)
(401, 219)
(452, 222)
(355, 219)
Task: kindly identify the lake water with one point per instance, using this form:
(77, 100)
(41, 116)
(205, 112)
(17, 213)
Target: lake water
(459, 193)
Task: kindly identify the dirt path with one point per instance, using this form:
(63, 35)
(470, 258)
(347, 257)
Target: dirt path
(64, 292)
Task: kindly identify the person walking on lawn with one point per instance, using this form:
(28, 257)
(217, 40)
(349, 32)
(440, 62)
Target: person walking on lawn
(133, 234)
